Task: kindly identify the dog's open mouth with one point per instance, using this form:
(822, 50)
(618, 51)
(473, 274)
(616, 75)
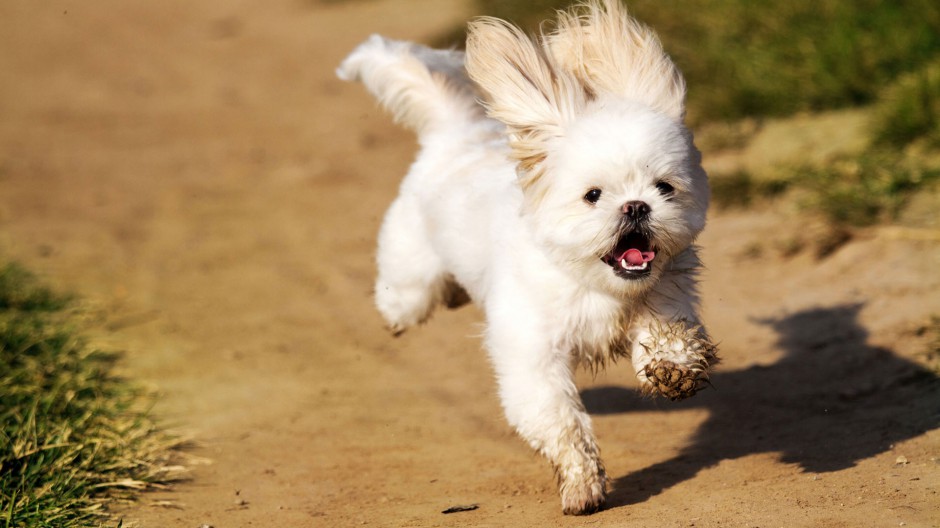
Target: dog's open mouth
(633, 256)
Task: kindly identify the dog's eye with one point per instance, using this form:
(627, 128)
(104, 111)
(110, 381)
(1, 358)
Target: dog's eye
(593, 196)
(665, 189)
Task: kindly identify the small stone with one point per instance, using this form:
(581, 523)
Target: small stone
(456, 509)
(901, 460)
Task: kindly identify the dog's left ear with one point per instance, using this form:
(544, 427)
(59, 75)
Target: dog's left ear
(525, 89)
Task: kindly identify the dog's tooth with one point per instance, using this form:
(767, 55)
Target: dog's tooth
(639, 267)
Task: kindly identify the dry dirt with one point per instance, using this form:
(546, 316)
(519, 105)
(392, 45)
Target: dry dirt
(195, 172)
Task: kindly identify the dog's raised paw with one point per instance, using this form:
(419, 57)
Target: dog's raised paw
(676, 382)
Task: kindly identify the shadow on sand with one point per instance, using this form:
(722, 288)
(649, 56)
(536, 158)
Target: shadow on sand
(831, 401)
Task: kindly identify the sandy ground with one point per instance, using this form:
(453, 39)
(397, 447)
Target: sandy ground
(195, 172)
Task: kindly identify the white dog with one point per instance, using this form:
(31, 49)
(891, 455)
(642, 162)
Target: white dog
(557, 187)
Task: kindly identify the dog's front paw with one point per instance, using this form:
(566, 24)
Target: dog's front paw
(675, 361)
(583, 496)
(676, 382)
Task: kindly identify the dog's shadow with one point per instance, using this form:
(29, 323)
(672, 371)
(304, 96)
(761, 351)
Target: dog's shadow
(832, 401)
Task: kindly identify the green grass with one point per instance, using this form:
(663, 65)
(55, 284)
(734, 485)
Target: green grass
(909, 110)
(20, 291)
(72, 433)
(848, 192)
(866, 190)
(740, 190)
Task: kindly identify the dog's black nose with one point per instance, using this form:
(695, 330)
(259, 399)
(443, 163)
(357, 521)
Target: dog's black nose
(636, 210)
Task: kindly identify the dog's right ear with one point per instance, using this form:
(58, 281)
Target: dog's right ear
(524, 88)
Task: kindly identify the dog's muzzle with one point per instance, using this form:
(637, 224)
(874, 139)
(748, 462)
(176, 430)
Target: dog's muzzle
(632, 257)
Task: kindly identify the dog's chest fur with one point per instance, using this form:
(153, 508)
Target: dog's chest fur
(594, 329)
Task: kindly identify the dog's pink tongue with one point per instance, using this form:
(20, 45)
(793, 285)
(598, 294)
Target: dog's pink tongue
(635, 257)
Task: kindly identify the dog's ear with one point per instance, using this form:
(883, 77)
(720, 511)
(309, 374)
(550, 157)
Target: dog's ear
(524, 89)
(611, 53)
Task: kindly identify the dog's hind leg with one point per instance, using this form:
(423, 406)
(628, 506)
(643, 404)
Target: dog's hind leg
(411, 280)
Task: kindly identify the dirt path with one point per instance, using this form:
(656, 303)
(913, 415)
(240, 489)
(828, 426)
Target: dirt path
(195, 171)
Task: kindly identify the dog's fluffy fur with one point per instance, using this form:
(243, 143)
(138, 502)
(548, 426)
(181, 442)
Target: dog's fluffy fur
(558, 187)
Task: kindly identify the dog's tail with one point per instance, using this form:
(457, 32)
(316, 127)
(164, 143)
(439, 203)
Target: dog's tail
(423, 88)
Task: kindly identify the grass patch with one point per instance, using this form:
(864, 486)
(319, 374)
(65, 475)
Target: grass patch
(740, 190)
(72, 433)
(909, 111)
(19, 290)
(849, 192)
(863, 191)
(843, 195)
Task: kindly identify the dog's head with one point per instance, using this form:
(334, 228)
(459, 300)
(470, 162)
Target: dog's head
(613, 184)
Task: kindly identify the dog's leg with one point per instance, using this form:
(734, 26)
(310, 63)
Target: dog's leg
(541, 401)
(671, 351)
(672, 357)
(411, 280)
